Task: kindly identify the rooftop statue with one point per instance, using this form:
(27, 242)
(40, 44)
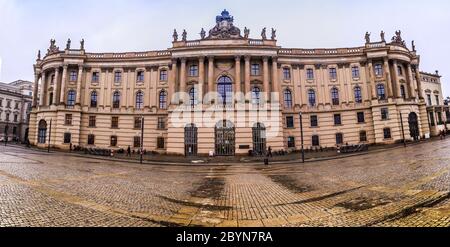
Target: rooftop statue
(184, 35)
(246, 32)
(382, 36)
(53, 48)
(367, 37)
(175, 35)
(82, 44)
(69, 42)
(203, 34)
(274, 34)
(263, 34)
(413, 45)
(224, 28)
(39, 55)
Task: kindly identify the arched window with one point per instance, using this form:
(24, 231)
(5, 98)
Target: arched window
(94, 99)
(225, 90)
(116, 100)
(402, 91)
(71, 95)
(42, 132)
(287, 99)
(311, 97)
(163, 100)
(381, 92)
(358, 94)
(256, 96)
(335, 96)
(139, 100)
(193, 97)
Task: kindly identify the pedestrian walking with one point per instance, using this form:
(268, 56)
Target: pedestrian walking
(269, 152)
(129, 151)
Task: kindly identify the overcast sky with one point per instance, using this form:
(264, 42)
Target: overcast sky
(140, 25)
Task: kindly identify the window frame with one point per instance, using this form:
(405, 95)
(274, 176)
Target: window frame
(68, 119)
(290, 122)
(114, 122)
(337, 119)
(92, 122)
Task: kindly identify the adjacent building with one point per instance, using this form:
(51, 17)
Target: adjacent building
(238, 95)
(15, 108)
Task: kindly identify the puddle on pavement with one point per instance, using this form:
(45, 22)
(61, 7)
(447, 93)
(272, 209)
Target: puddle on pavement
(291, 184)
(210, 187)
(196, 205)
(361, 203)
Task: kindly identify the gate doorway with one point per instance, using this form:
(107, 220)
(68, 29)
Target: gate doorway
(225, 138)
(259, 139)
(414, 126)
(191, 140)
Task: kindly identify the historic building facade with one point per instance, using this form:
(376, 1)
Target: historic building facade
(345, 95)
(15, 108)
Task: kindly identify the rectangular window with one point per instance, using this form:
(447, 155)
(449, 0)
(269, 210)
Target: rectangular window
(16, 106)
(431, 117)
(337, 119)
(314, 121)
(400, 70)
(140, 76)
(92, 121)
(339, 139)
(91, 139)
(193, 70)
(362, 136)
(384, 113)
(68, 119)
(333, 74)
(8, 104)
(163, 76)
(73, 76)
(113, 142)
(355, 72)
(67, 138)
(137, 142)
(117, 77)
(439, 116)
(161, 123)
(115, 122)
(95, 77)
(160, 143)
(429, 100)
(15, 118)
(7, 117)
(310, 74)
(387, 133)
(315, 141)
(378, 69)
(361, 118)
(286, 73)
(437, 100)
(291, 142)
(255, 69)
(137, 122)
(290, 122)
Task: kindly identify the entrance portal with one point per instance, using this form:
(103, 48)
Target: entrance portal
(259, 139)
(225, 138)
(191, 140)
(413, 126)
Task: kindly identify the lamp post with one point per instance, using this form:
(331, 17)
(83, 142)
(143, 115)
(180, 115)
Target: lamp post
(6, 131)
(403, 130)
(49, 135)
(142, 139)
(301, 135)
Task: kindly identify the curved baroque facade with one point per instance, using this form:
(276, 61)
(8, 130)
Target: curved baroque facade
(345, 95)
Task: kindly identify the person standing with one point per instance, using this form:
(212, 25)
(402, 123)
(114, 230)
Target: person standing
(129, 151)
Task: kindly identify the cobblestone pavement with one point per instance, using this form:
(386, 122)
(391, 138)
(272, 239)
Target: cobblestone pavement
(399, 187)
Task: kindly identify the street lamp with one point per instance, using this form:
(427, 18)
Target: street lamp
(142, 139)
(49, 135)
(6, 131)
(403, 129)
(301, 135)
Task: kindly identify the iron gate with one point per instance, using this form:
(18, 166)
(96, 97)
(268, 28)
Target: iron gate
(259, 139)
(413, 126)
(225, 138)
(191, 140)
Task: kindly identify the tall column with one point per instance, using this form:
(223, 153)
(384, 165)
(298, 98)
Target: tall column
(266, 76)
(55, 86)
(183, 76)
(43, 87)
(275, 82)
(63, 85)
(211, 74)
(238, 74)
(396, 81)
(411, 82)
(419, 83)
(35, 89)
(247, 74)
(201, 78)
(372, 81)
(172, 81)
(387, 72)
(79, 80)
